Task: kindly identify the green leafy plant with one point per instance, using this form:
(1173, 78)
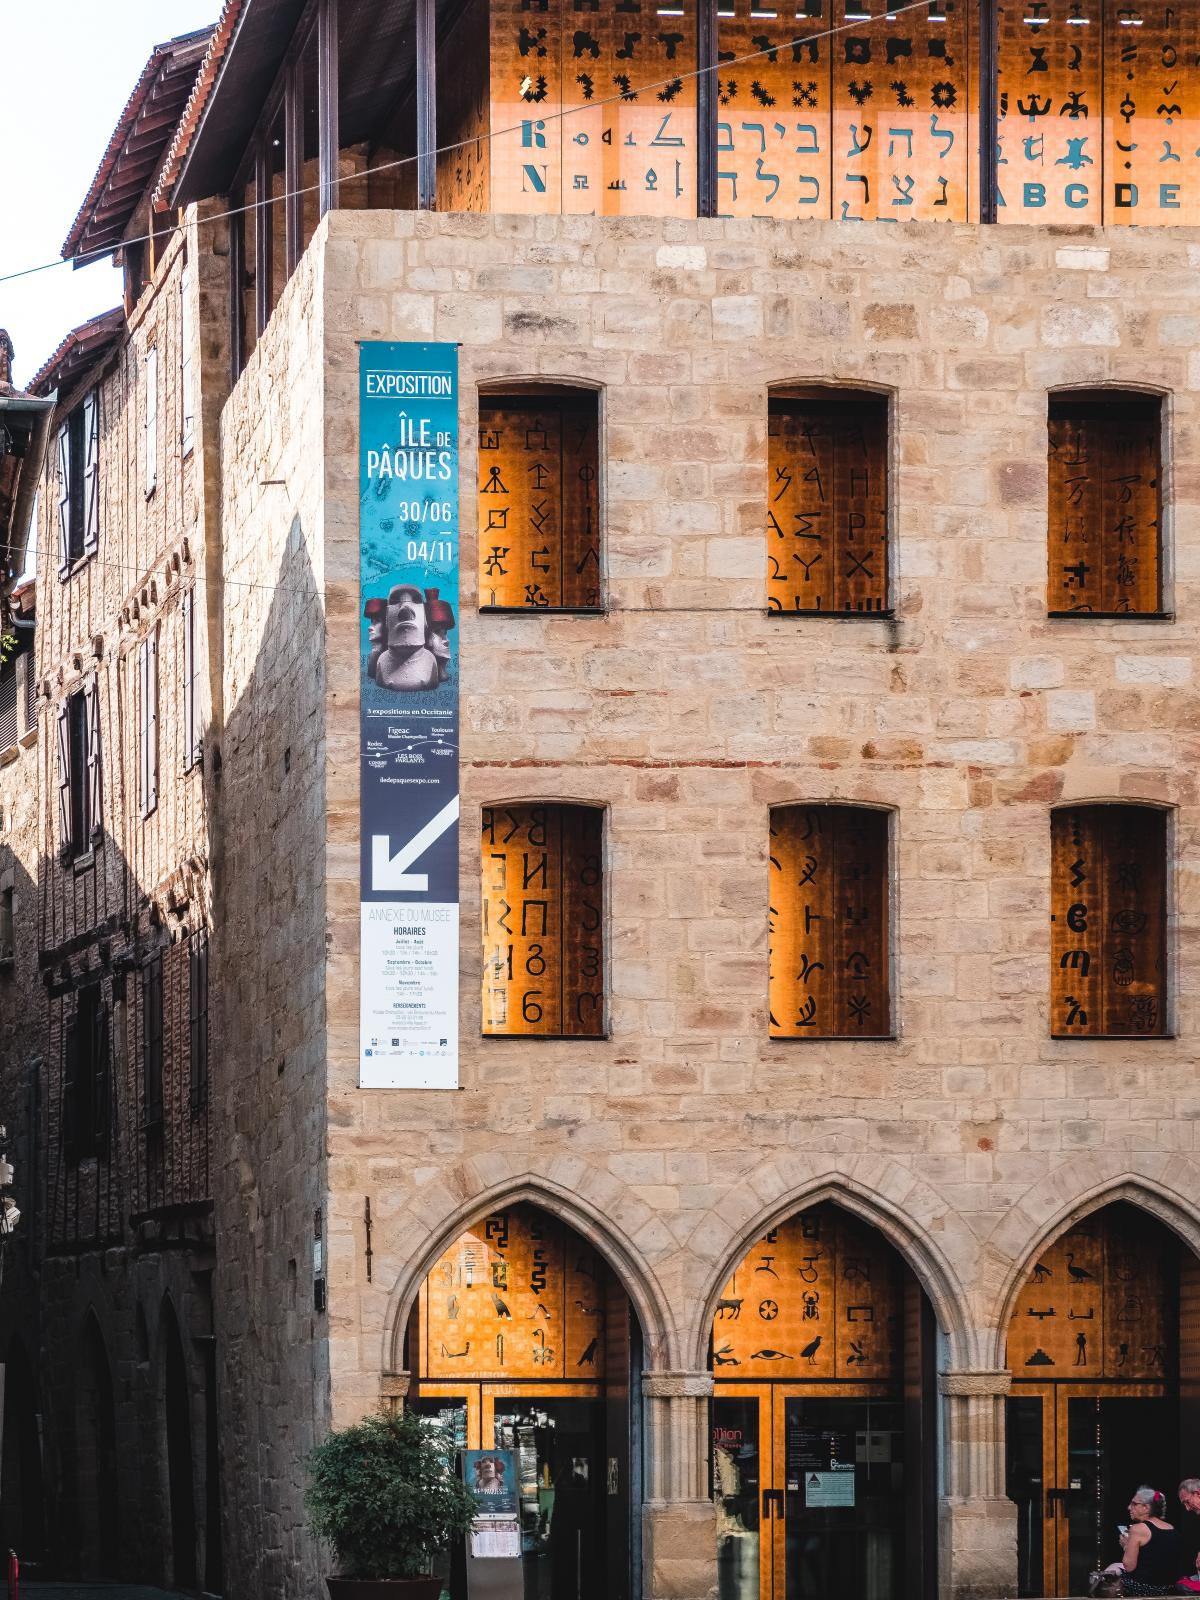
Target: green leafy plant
(382, 1492)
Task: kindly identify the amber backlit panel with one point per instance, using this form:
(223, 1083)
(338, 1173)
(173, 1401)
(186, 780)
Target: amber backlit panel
(1104, 507)
(464, 160)
(1096, 1305)
(539, 504)
(1051, 114)
(621, 74)
(518, 1296)
(1108, 922)
(542, 921)
(871, 122)
(828, 960)
(827, 502)
(1152, 106)
(817, 1298)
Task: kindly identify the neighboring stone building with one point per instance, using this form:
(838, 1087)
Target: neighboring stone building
(124, 1223)
(839, 689)
(24, 431)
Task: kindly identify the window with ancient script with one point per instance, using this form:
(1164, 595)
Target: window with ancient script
(1108, 922)
(827, 502)
(543, 920)
(1105, 504)
(539, 502)
(829, 946)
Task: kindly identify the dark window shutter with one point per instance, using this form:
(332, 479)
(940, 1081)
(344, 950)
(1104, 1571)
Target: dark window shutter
(91, 480)
(198, 1017)
(63, 748)
(70, 1089)
(189, 681)
(95, 780)
(101, 1079)
(64, 499)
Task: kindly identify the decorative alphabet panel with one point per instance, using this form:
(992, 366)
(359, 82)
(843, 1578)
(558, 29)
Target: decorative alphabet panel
(594, 107)
(518, 1296)
(1097, 1304)
(828, 961)
(539, 502)
(1104, 505)
(817, 1298)
(851, 113)
(542, 920)
(1108, 922)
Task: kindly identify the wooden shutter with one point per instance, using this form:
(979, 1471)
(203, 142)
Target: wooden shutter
(151, 418)
(63, 750)
(64, 499)
(828, 972)
(827, 504)
(187, 401)
(191, 743)
(1108, 922)
(152, 1038)
(543, 956)
(70, 1087)
(148, 721)
(198, 1016)
(91, 477)
(95, 807)
(1105, 505)
(101, 1076)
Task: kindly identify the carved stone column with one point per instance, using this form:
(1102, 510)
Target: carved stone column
(679, 1537)
(977, 1522)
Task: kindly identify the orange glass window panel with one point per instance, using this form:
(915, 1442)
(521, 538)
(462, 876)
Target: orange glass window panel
(828, 949)
(539, 503)
(1108, 922)
(594, 109)
(818, 1299)
(1051, 111)
(543, 925)
(1152, 113)
(517, 1296)
(827, 505)
(1105, 506)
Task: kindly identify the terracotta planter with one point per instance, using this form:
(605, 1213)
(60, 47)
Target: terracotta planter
(384, 1588)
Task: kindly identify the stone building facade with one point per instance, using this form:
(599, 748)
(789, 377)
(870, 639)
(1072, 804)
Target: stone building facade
(970, 1140)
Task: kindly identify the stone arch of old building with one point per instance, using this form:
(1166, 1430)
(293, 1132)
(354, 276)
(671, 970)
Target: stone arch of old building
(176, 1391)
(1164, 1185)
(96, 1466)
(906, 1210)
(621, 1227)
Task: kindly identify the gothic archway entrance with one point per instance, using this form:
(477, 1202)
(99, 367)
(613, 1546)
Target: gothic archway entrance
(523, 1341)
(823, 1438)
(1106, 1321)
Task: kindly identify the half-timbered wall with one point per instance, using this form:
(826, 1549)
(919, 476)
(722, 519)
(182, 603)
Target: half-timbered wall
(1108, 922)
(543, 920)
(539, 501)
(1105, 504)
(829, 923)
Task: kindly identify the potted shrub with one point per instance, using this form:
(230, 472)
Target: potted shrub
(383, 1493)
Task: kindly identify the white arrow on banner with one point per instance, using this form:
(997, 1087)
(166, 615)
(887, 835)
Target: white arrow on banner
(388, 871)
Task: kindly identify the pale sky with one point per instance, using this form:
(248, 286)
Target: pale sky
(68, 68)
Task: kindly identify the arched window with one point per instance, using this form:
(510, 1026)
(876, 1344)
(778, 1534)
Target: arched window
(1105, 503)
(829, 946)
(827, 502)
(1108, 920)
(543, 920)
(539, 501)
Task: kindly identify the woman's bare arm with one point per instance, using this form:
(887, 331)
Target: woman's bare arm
(1134, 1540)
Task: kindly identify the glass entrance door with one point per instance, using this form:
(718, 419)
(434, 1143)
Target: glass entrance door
(1075, 1456)
(809, 1483)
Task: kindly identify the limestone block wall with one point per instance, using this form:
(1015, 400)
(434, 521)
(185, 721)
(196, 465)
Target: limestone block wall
(688, 711)
(269, 952)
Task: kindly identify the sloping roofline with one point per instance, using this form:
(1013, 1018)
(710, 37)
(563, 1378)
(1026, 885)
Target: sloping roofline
(81, 348)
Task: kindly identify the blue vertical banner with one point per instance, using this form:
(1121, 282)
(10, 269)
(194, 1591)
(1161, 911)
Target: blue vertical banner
(408, 562)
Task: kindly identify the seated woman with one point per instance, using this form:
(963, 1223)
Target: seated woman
(1154, 1559)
